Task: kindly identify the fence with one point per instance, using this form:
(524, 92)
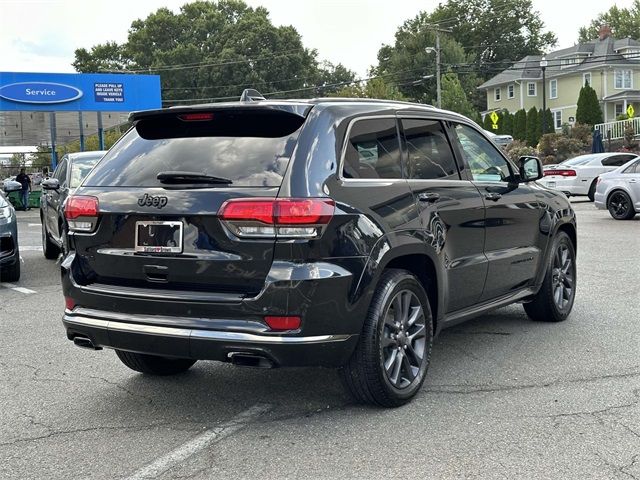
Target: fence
(617, 128)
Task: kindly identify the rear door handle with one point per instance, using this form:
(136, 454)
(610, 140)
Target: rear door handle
(493, 196)
(428, 197)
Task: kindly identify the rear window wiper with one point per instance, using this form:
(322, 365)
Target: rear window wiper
(191, 177)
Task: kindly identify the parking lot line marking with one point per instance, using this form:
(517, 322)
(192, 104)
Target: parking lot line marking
(200, 442)
(17, 288)
(30, 248)
(34, 224)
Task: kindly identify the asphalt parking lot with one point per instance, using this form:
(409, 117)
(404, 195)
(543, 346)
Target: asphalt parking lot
(505, 397)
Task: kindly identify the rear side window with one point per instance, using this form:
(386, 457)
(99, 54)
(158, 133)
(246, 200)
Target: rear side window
(249, 148)
(430, 156)
(373, 150)
(633, 168)
(616, 160)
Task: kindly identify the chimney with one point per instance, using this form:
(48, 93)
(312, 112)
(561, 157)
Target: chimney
(604, 33)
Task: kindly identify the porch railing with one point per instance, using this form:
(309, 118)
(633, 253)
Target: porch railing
(617, 128)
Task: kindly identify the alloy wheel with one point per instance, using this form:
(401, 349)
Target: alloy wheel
(619, 205)
(403, 339)
(563, 277)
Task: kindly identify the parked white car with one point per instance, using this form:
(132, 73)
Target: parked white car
(500, 140)
(619, 191)
(577, 176)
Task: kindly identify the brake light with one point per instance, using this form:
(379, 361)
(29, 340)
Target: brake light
(283, 323)
(196, 117)
(284, 217)
(81, 212)
(562, 173)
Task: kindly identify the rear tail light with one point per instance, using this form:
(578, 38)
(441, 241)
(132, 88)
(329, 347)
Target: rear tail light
(283, 323)
(281, 218)
(561, 173)
(81, 212)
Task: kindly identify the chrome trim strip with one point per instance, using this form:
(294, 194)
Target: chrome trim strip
(213, 335)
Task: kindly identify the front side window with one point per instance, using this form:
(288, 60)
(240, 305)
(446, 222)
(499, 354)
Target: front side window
(61, 172)
(373, 150)
(622, 79)
(484, 160)
(531, 89)
(557, 118)
(497, 94)
(430, 156)
(510, 91)
(553, 89)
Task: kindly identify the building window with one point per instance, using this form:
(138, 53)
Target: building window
(510, 91)
(531, 89)
(553, 89)
(619, 109)
(557, 119)
(497, 94)
(622, 79)
(586, 79)
(632, 54)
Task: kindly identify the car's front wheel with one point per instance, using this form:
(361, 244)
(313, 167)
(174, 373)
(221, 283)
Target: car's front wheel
(620, 206)
(391, 360)
(554, 301)
(153, 364)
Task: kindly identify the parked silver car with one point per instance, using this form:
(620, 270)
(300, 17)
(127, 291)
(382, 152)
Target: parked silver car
(9, 251)
(619, 191)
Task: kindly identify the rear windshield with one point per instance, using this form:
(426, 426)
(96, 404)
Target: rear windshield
(81, 167)
(582, 159)
(249, 151)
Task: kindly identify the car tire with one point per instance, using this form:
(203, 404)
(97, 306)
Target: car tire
(49, 249)
(554, 300)
(391, 359)
(153, 364)
(620, 206)
(592, 190)
(11, 273)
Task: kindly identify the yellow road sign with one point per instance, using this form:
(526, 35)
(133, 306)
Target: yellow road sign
(494, 118)
(494, 126)
(630, 111)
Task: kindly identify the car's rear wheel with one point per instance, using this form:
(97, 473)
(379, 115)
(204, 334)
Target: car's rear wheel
(554, 301)
(592, 190)
(153, 364)
(391, 360)
(50, 249)
(12, 272)
(620, 206)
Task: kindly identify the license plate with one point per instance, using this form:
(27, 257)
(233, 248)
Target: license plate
(551, 184)
(158, 237)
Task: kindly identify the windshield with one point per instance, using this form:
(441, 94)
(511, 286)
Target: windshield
(81, 167)
(581, 160)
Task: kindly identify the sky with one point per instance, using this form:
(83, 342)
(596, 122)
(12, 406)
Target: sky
(41, 35)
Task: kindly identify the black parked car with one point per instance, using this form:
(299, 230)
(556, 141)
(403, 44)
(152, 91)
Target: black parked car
(327, 232)
(9, 248)
(69, 173)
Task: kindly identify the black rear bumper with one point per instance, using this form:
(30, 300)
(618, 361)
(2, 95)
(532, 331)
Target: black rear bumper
(281, 350)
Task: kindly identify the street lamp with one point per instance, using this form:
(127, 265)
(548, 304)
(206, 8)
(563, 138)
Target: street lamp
(543, 66)
(437, 51)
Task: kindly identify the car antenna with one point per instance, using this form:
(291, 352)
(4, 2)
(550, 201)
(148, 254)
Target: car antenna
(251, 95)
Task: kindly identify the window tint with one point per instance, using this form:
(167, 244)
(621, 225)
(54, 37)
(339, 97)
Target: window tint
(80, 167)
(633, 168)
(373, 150)
(246, 161)
(61, 172)
(484, 160)
(430, 155)
(616, 160)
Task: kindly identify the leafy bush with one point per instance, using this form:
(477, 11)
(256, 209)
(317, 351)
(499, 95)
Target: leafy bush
(567, 147)
(518, 148)
(547, 144)
(582, 132)
(630, 136)
(548, 160)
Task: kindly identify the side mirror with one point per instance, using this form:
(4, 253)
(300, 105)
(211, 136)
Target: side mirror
(50, 184)
(11, 186)
(530, 169)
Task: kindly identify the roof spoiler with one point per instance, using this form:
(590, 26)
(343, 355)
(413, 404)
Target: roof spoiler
(251, 95)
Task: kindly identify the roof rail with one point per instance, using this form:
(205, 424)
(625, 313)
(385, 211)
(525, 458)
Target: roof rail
(251, 95)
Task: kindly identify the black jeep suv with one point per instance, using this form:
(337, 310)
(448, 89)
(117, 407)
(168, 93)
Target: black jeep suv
(327, 232)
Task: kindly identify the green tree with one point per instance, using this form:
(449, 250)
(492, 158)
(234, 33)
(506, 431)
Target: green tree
(533, 127)
(477, 118)
(520, 125)
(374, 88)
(487, 124)
(506, 123)
(454, 98)
(588, 111)
(214, 49)
(548, 117)
(624, 22)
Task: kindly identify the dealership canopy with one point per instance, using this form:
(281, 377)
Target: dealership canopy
(56, 108)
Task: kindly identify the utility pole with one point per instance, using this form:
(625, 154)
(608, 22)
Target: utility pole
(436, 28)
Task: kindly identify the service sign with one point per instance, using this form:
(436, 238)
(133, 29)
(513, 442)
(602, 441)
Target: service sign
(87, 92)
